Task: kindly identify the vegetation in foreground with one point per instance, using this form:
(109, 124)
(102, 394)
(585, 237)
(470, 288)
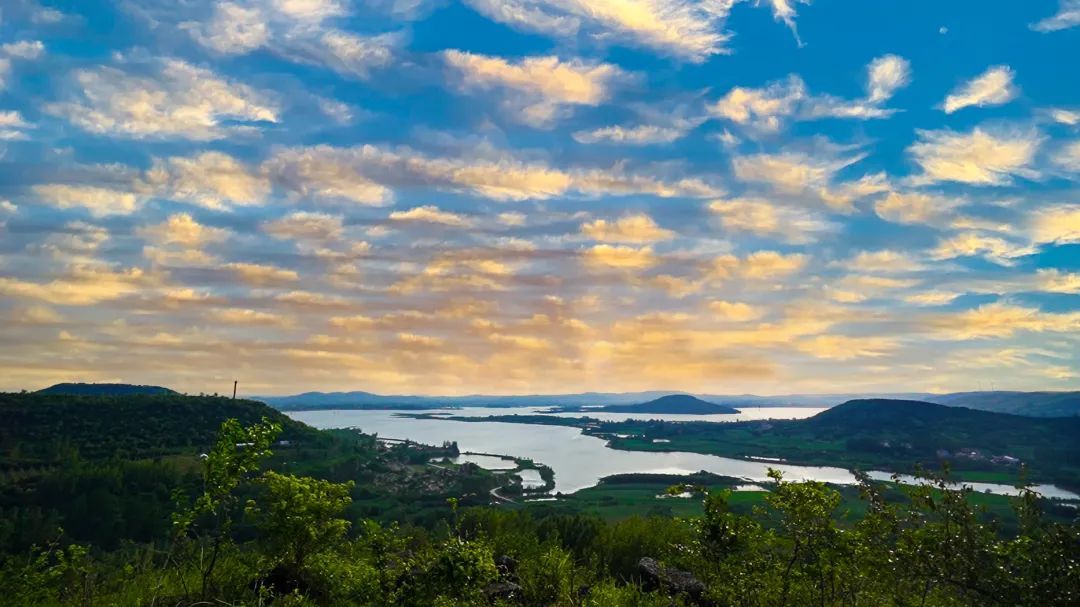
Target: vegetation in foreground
(258, 536)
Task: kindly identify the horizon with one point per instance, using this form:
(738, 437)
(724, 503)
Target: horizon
(484, 198)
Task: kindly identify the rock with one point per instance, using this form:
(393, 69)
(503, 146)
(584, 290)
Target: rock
(506, 565)
(502, 591)
(655, 576)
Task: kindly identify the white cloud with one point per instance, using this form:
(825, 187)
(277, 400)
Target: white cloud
(913, 207)
(766, 109)
(992, 87)
(644, 134)
(233, 29)
(364, 173)
(430, 214)
(1053, 280)
(1068, 157)
(97, 200)
(179, 100)
(182, 229)
(764, 218)
(1064, 116)
(639, 228)
(1068, 16)
(993, 248)
(24, 49)
(762, 108)
(315, 227)
(784, 10)
(1058, 224)
(210, 179)
(13, 126)
(800, 173)
(539, 89)
(980, 157)
(688, 30)
(886, 75)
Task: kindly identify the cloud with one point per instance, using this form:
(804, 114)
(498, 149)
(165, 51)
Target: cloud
(539, 89)
(998, 320)
(303, 226)
(430, 214)
(884, 261)
(329, 173)
(931, 298)
(980, 157)
(364, 174)
(1068, 16)
(241, 316)
(261, 274)
(13, 126)
(97, 200)
(175, 100)
(233, 29)
(645, 134)
(182, 229)
(993, 248)
(796, 173)
(296, 31)
(735, 311)
(760, 265)
(1068, 157)
(620, 257)
(82, 286)
(23, 49)
(784, 10)
(842, 347)
(992, 87)
(886, 75)
(639, 229)
(687, 30)
(211, 179)
(763, 108)
(763, 218)
(1053, 280)
(1058, 224)
(767, 108)
(913, 207)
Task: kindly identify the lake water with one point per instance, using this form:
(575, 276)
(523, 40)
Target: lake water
(580, 461)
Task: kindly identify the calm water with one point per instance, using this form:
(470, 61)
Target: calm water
(580, 461)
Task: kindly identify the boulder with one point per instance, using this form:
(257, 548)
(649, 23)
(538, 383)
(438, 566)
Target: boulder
(502, 592)
(655, 576)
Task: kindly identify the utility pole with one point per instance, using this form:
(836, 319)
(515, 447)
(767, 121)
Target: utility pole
(234, 389)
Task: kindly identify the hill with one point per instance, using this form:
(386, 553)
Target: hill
(682, 404)
(82, 389)
(43, 427)
(1034, 404)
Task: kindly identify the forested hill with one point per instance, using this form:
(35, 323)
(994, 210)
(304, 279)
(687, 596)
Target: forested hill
(683, 404)
(81, 389)
(1035, 404)
(42, 427)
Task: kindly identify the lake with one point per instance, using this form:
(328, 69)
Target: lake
(580, 461)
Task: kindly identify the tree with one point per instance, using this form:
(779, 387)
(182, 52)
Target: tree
(235, 457)
(301, 516)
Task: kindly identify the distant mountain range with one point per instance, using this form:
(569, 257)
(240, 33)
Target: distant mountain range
(81, 389)
(683, 404)
(1036, 404)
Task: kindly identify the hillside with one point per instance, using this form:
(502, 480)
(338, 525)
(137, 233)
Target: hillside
(44, 426)
(676, 404)
(83, 389)
(1034, 404)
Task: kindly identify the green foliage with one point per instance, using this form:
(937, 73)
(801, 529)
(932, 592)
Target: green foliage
(805, 544)
(300, 516)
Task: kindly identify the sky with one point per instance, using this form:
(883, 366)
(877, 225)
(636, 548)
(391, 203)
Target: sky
(541, 196)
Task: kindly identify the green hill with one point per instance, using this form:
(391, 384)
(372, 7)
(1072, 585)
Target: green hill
(82, 389)
(42, 427)
(682, 404)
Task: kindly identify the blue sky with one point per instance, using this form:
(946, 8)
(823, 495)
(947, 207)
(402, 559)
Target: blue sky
(518, 196)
